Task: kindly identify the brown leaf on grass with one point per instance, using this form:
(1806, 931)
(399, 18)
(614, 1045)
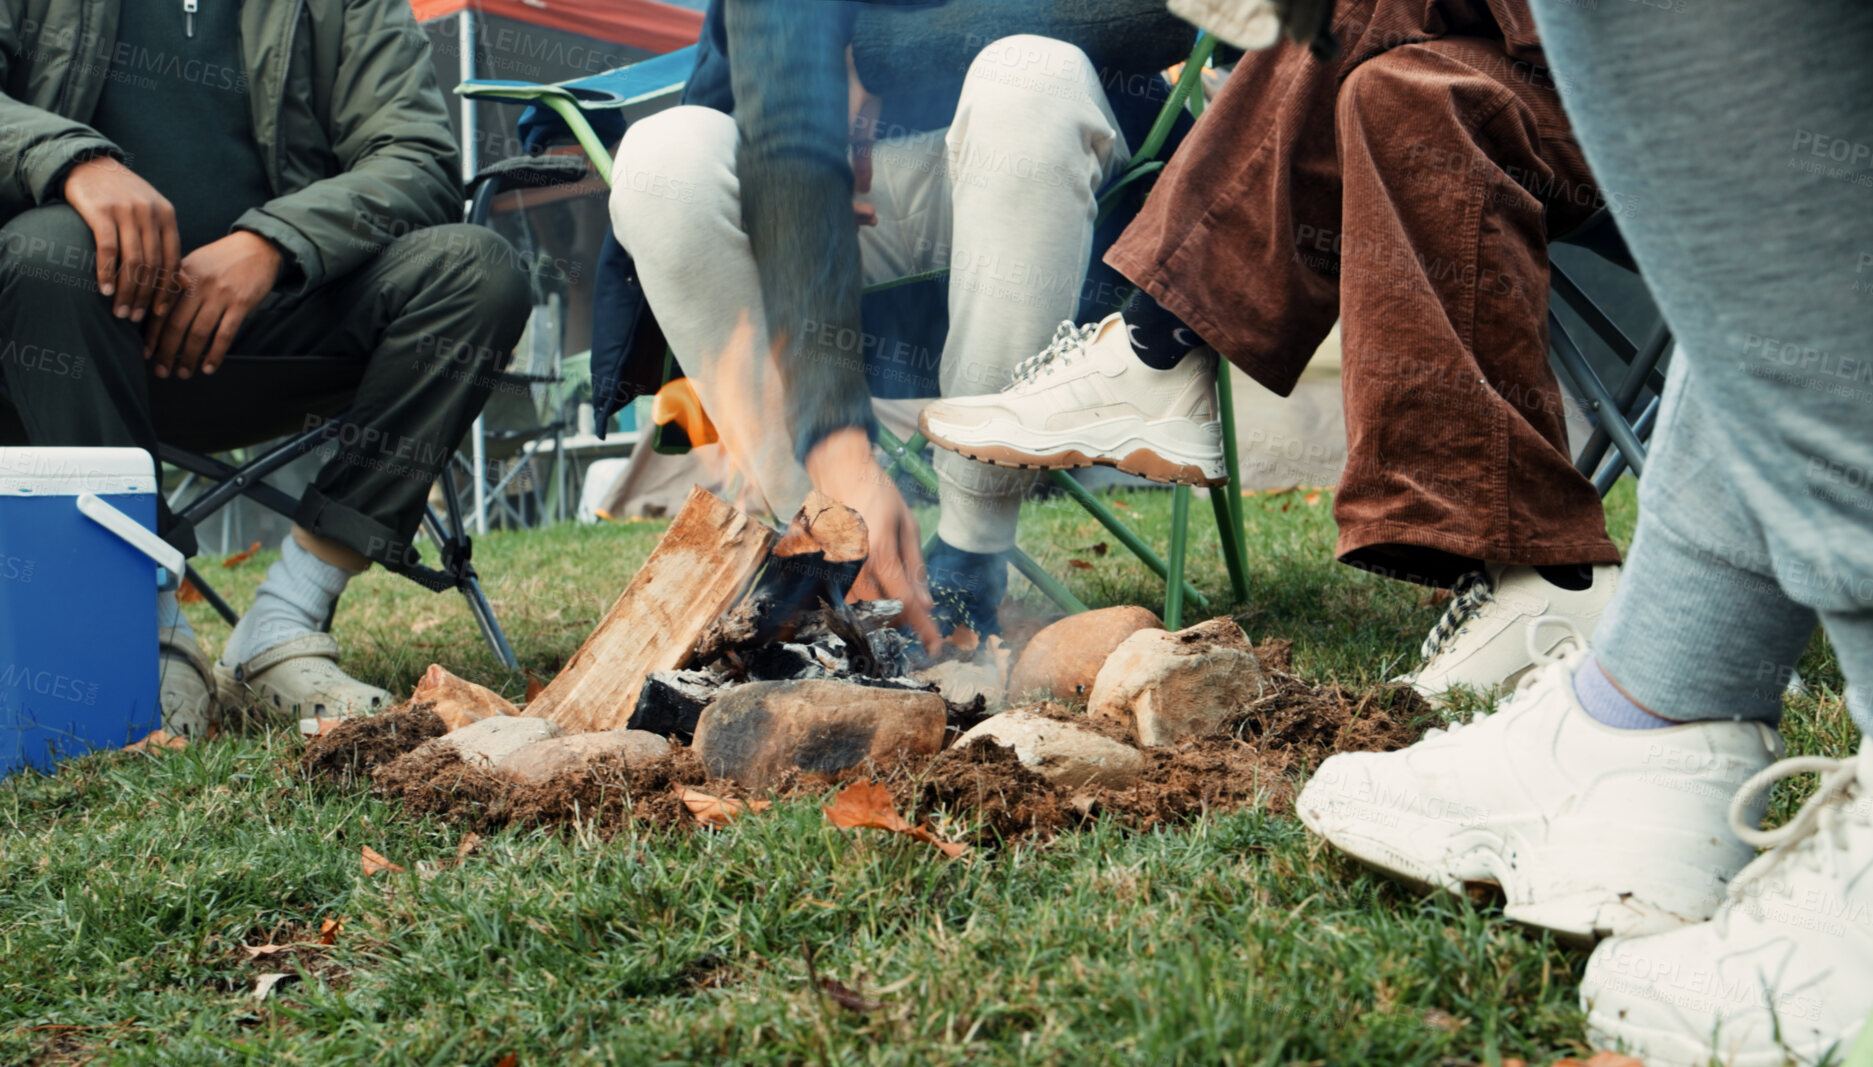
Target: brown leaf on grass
(867, 805)
(1079, 565)
(255, 952)
(1603, 1058)
(239, 558)
(534, 688)
(374, 863)
(186, 593)
(847, 997)
(263, 988)
(328, 931)
(470, 842)
(711, 810)
(1312, 498)
(159, 739)
(508, 1060)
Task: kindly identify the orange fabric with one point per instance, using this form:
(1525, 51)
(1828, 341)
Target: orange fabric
(646, 24)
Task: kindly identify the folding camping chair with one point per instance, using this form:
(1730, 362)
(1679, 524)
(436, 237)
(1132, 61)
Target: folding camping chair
(646, 81)
(1623, 416)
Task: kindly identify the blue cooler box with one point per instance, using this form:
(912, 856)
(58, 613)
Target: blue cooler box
(79, 571)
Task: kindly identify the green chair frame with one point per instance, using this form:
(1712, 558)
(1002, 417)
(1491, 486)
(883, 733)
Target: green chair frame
(907, 455)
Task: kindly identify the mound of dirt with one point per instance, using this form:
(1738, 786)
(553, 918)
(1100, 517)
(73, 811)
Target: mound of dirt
(1273, 742)
(357, 746)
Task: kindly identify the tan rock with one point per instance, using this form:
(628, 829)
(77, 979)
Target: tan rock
(456, 701)
(757, 732)
(1179, 687)
(493, 739)
(1064, 658)
(962, 680)
(542, 760)
(1063, 753)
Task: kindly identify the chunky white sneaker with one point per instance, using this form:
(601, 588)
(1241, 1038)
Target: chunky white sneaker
(1588, 830)
(1086, 399)
(1784, 971)
(1487, 639)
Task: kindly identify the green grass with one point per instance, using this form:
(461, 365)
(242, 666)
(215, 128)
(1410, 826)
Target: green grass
(129, 883)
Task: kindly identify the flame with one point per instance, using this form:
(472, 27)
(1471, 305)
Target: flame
(677, 402)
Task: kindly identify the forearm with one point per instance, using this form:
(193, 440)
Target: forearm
(787, 60)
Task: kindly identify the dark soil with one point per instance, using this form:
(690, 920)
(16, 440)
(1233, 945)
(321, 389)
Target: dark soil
(1276, 741)
(355, 747)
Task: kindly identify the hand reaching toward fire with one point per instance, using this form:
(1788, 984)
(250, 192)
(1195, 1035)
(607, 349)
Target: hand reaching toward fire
(842, 466)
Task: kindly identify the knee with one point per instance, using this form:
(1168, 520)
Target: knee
(671, 170)
(1383, 96)
(476, 267)
(50, 252)
(1031, 78)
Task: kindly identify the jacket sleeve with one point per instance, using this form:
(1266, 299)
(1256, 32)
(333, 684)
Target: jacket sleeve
(37, 147)
(389, 128)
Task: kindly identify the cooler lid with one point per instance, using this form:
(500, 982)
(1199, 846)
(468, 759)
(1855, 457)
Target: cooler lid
(70, 471)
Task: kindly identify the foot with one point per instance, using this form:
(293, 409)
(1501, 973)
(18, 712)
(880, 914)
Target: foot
(1784, 970)
(968, 588)
(1087, 399)
(187, 690)
(298, 680)
(1587, 830)
(1487, 640)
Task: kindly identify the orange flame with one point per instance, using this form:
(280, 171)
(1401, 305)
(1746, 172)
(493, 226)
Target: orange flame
(677, 402)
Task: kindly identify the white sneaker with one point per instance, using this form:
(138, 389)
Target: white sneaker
(1087, 399)
(1588, 830)
(1784, 971)
(1487, 640)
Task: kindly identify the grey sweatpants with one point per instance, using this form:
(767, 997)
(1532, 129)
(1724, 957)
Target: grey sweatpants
(1736, 139)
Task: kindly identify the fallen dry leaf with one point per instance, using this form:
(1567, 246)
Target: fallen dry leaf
(422, 625)
(1120, 504)
(159, 739)
(846, 997)
(239, 558)
(375, 862)
(1079, 565)
(1311, 498)
(1603, 1058)
(255, 952)
(264, 987)
(867, 805)
(534, 688)
(711, 810)
(508, 1060)
(470, 842)
(328, 931)
(186, 593)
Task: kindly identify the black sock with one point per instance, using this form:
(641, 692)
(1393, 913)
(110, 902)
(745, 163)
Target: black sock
(1159, 338)
(1570, 576)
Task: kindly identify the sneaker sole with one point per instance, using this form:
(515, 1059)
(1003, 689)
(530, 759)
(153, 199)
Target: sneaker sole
(1141, 462)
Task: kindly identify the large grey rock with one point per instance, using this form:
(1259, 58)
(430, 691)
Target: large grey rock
(1067, 755)
(757, 732)
(559, 755)
(492, 740)
(1065, 657)
(1177, 687)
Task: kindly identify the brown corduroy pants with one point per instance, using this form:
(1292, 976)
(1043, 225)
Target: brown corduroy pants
(1409, 189)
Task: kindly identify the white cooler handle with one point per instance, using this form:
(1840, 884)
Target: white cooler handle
(166, 555)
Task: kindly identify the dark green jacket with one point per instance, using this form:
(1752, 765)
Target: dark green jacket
(352, 127)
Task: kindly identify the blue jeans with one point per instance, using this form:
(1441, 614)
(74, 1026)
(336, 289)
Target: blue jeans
(1736, 140)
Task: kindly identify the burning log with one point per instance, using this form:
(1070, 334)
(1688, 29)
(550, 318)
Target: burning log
(815, 561)
(705, 561)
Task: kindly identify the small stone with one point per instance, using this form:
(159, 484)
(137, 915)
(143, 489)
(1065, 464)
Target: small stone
(554, 756)
(1067, 755)
(1171, 688)
(1065, 657)
(456, 701)
(961, 681)
(756, 733)
(488, 742)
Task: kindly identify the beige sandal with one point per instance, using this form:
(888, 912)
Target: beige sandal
(299, 680)
(187, 694)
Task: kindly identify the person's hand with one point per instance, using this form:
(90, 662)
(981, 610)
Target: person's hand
(842, 467)
(221, 282)
(862, 110)
(134, 229)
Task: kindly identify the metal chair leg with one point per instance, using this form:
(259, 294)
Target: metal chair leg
(1229, 505)
(208, 593)
(1124, 533)
(1180, 536)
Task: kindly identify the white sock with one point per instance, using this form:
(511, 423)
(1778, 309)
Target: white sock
(294, 601)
